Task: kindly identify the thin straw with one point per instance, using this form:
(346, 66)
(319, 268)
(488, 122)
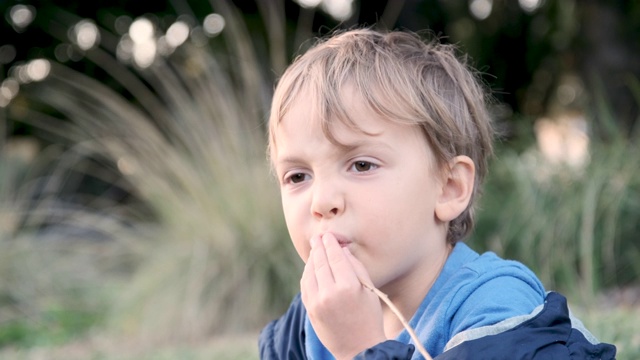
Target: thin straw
(404, 322)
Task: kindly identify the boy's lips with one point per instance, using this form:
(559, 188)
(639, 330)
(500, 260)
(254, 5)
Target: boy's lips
(343, 241)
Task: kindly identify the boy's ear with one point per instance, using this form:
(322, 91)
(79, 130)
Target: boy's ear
(457, 188)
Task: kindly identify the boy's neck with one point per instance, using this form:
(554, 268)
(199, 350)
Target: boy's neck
(410, 293)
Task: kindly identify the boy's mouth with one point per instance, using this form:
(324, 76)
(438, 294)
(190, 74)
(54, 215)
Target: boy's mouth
(343, 241)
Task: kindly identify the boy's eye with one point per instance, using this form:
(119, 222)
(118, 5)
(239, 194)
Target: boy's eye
(296, 178)
(361, 166)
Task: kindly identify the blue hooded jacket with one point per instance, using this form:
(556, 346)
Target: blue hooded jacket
(549, 332)
(480, 306)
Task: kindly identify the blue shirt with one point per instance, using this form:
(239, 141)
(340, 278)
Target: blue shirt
(471, 291)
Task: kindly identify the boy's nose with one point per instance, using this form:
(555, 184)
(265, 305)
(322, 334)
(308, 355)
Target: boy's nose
(327, 200)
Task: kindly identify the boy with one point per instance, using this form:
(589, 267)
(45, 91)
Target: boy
(380, 142)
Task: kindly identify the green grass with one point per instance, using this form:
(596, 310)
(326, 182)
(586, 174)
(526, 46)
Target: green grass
(236, 347)
(52, 328)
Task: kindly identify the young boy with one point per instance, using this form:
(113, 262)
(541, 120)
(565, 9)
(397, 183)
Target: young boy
(380, 142)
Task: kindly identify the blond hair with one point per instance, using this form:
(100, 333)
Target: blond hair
(404, 79)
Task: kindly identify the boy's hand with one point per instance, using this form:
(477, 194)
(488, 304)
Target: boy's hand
(346, 317)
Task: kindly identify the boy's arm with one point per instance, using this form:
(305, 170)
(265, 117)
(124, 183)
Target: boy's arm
(284, 338)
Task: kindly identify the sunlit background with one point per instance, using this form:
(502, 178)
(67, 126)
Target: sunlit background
(138, 216)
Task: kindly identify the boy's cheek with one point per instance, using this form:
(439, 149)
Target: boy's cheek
(303, 250)
(302, 247)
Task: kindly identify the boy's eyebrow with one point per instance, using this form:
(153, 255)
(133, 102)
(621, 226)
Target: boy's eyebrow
(288, 160)
(349, 147)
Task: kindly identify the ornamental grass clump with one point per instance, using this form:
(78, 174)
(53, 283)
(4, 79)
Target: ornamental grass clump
(183, 137)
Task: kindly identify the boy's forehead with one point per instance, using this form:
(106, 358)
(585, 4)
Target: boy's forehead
(341, 117)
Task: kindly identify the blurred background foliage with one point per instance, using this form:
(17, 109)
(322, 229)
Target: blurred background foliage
(136, 201)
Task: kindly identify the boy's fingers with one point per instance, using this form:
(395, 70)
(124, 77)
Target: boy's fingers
(340, 265)
(308, 282)
(323, 272)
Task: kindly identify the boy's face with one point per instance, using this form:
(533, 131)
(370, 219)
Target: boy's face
(377, 193)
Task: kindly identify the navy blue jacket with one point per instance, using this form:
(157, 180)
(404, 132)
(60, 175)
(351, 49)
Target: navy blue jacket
(547, 335)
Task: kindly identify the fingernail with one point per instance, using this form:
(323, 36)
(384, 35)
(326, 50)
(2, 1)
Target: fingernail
(313, 242)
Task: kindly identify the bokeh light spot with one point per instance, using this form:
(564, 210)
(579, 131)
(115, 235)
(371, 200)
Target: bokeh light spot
(339, 9)
(144, 54)
(141, 30)
(308, 3)
(86, 34)
(21, 16)
(213, 24)
(481, 9)
(38, 69)
(530, 5)
(8, 90)
(177, 34)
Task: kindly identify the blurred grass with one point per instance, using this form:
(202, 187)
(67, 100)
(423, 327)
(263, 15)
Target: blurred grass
(238, 347)
(614, 325)
(576, 227)
(204, 249)
(618, 325)
(53, 285)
